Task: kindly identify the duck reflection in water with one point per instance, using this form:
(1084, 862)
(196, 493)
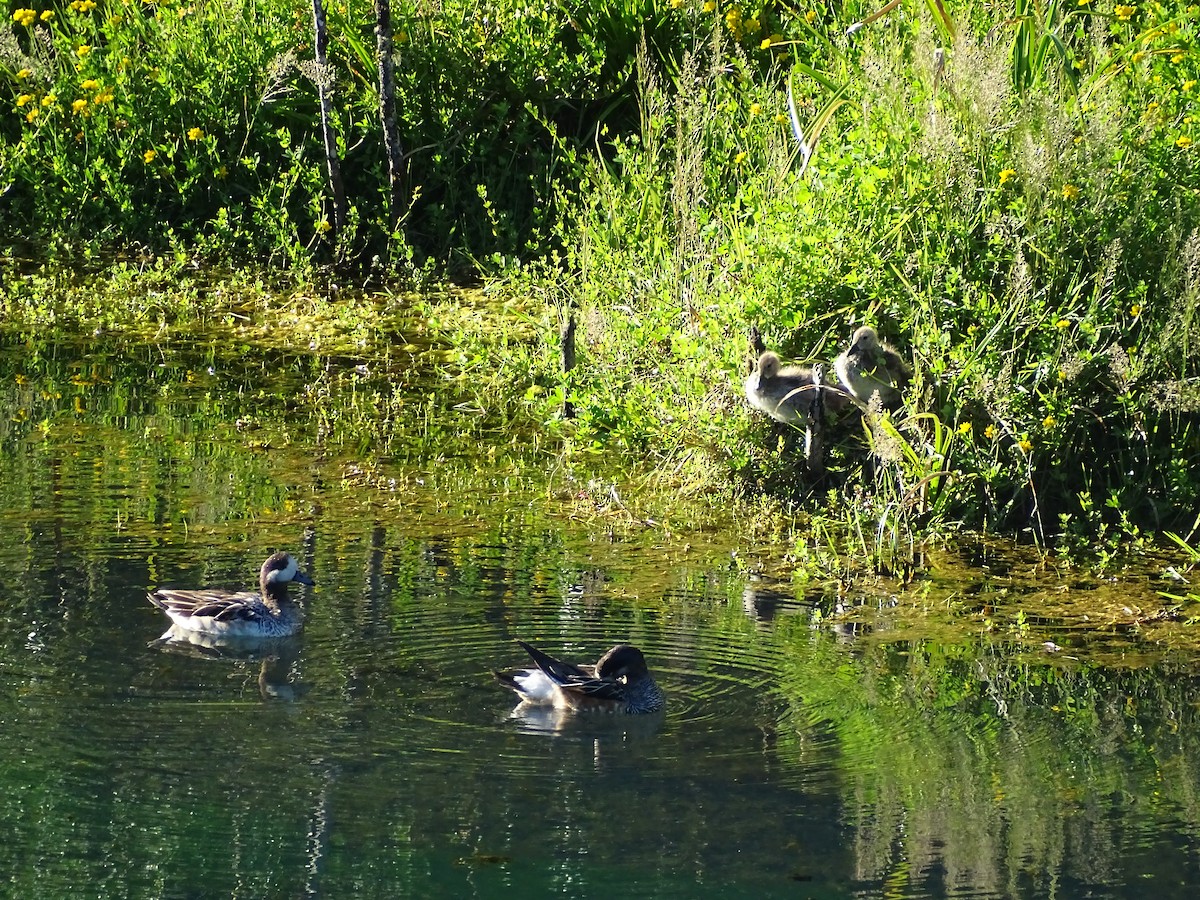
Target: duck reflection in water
(620, 682)
(277, 658)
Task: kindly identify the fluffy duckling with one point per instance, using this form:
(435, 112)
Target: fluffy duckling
(871, 367)
(785, 393)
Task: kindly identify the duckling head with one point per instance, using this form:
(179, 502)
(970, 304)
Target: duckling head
(768, 365)
(865, 341)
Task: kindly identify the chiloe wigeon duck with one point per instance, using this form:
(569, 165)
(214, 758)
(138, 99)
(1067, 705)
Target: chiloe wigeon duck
(619, 682)
(270, 613)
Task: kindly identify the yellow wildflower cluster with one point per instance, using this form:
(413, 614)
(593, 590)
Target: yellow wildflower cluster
(83, 50)
(79, 107)
(1123, 12)
(990, 432)
(733, 21)
(24, 73)
(1007, 175)
(1183, 142)
(23, 99)
(83, 6)
(1049, 422)
(1025, 444)
(195, 134)
(1070, 192)
(90, 84)
(964, 428)
(755, 109)
(149, 156)
(24, 17)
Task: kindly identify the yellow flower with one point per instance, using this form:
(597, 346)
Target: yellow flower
(1062, 374)
(755, 109)
(24, 17)
(83, 50)
(1189, 84)
(323, 226)
(32, 114)
(195, 134)
(149, 156)
(1025, 444)
(23, 99)
(1070, 192)
(810, 16)
(740, 158)
(964, 428)
(24, 73)
(1084, 2)
(753, 26)
(90, 84)
(710, 5)
(675, 4)
(1007, 175)
(1135, 310)
(1049, 422)
(1124, 13)
(47, 15)
(780, 119)
(79, 106)
(1062, 323)
(105, 96)
(989, 432)
(222, 171)
(49, 99)
(1178, 57)
(1139, 56)
(1183, 142)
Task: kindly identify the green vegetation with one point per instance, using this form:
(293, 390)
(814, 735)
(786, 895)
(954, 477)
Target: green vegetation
(1010, 195)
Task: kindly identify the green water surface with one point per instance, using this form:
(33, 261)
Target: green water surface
(802, 754)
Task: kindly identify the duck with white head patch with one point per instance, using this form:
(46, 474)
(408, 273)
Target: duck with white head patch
(270, 613)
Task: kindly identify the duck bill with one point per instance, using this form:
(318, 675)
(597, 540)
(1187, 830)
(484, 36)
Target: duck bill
(302, 578)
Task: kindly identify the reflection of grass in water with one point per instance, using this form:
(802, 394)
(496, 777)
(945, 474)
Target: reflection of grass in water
(980, 761)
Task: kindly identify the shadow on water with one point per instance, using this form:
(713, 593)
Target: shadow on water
(801, 753)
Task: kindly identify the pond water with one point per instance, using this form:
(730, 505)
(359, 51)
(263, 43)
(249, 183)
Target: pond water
(801, 755)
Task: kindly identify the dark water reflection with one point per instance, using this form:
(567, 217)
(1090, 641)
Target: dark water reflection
(373, 755)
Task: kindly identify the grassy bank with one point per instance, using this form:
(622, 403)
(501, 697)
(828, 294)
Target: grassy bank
(1011, 196)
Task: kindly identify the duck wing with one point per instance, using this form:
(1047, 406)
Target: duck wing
(220, 606)
(578, 680)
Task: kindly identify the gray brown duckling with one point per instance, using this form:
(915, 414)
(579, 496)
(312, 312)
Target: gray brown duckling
(870, 367)
(785, 393)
